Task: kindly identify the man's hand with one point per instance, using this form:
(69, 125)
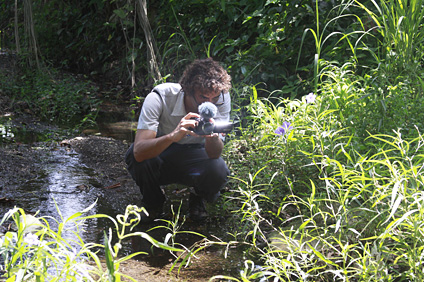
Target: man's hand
(213, 144)
(147, 146)
(185, 127)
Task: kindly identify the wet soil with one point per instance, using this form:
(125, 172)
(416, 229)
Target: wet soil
(23, 164)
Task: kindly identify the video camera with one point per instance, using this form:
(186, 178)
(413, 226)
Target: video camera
(207, 111)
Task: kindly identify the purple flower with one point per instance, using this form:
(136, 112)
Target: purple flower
(310, 98)
(286, 127)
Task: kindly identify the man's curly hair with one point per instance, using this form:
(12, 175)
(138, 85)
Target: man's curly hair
(205, 75)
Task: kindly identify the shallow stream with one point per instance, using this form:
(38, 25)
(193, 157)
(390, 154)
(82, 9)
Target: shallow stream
(61, 186)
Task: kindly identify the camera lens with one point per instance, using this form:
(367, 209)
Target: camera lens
(223, 127)
(207, 128)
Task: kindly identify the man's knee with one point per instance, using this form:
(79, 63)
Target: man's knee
(218, 170)
(215, 178)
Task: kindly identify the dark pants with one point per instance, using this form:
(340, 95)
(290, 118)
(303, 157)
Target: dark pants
(183, 164)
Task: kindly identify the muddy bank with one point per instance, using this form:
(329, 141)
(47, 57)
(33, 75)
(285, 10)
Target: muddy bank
(105, 156)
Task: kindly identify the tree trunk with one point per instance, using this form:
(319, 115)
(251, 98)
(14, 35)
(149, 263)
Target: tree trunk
(30, 33)
(151, 44)
(18, 46)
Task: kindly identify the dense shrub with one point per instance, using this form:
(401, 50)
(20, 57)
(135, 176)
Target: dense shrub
(257, 40)
(61, 99)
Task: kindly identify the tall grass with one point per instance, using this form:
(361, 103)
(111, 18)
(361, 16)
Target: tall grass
(356, 215)
(37, 251)
(340, 195)
(326, 38)
(399, 25)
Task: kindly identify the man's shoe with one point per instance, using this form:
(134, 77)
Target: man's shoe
(197, 208)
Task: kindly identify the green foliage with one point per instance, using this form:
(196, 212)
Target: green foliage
(38, 252)
(60, 99)
(260, 145)
(173, 227)
(258, 40)
(338, 196)
(321, 36)
(76, 34)
(355, 215)
(399, 54)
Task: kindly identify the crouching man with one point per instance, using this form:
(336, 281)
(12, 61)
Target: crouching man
(166, 150)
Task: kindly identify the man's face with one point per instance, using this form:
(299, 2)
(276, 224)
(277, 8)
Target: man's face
(201, 97)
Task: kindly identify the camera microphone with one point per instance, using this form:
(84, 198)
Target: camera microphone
(207, 110)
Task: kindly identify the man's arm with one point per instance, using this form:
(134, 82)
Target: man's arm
(213, 143)
(214, 146)
(147, 146)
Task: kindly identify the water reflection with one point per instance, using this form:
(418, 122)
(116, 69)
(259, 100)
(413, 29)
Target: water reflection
(121, 130)
(5, 132)
(63, 189)
(20, 132)
(68, 188)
